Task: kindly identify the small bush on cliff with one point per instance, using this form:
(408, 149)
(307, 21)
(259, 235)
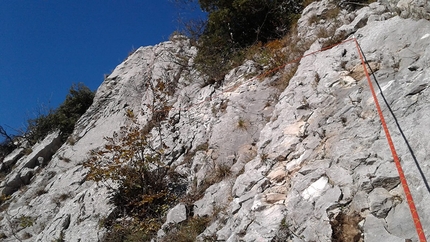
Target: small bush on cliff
(188, 230)
(78, 100)
(131, 166)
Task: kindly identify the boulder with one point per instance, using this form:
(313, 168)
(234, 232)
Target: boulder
(177, 214)
(381, 202)
(13, 183)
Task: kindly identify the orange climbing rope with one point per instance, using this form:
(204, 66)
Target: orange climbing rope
(414, 213)
(410, 200)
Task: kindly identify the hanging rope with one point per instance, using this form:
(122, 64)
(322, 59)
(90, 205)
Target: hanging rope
(410, 200)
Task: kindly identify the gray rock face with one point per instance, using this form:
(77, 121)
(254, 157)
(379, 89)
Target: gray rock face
(177, 214)
(306, 163)
(11, 159)
(374, 230)
(380, 201)
(27, 166)
(418, 9)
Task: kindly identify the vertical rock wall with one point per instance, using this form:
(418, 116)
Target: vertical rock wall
(308, 163)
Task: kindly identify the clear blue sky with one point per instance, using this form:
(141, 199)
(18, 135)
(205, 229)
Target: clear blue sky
(46, 45)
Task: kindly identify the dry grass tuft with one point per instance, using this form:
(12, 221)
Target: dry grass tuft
(283, 82)
(242, 124)
(187, 231)
(346, 227)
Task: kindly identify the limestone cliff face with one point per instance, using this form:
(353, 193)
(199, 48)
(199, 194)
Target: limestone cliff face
(306, 163)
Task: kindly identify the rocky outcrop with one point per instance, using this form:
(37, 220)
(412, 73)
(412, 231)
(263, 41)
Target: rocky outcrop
(305, 163)
(417, 9)
(10, 160)
(26, 167)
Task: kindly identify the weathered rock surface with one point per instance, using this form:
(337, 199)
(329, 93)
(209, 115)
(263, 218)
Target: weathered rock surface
(11, 159)
(293, 160)
(177, 214)
(25, 168)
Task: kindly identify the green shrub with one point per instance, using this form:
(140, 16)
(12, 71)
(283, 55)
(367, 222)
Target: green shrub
(245, 22)
(77, 101)
(233, 26)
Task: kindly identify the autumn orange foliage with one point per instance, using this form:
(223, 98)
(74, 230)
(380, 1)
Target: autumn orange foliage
(131, 167)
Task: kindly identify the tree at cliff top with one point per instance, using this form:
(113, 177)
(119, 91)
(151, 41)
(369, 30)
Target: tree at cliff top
(235, 25)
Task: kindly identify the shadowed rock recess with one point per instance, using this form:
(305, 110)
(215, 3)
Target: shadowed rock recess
(306, 163)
